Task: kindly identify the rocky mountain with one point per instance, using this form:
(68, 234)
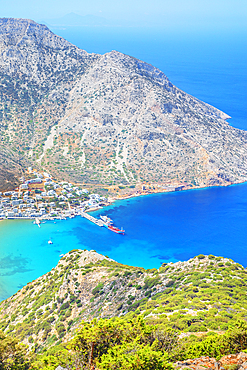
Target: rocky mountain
(105, 119)
(204, 293)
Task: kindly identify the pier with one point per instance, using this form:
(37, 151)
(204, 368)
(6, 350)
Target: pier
(92, 219)
(37, 221)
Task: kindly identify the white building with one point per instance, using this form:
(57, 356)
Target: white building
(85, 191)
(51, 193)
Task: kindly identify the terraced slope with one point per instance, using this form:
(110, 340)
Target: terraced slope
(107, 119)
(204, 293)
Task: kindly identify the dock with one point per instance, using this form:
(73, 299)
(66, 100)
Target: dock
(37, 221)
(92, 219)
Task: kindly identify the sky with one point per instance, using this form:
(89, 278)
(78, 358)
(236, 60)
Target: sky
(186, 14)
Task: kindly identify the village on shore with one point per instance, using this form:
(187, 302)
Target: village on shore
(39, 196)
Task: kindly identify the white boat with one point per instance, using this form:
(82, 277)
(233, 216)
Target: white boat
(50, 242)
(106, 219)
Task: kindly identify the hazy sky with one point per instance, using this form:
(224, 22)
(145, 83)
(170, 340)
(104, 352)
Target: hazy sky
(191, 14)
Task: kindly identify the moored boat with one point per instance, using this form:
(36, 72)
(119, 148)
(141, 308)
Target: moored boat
(106, 219)
(115, 229)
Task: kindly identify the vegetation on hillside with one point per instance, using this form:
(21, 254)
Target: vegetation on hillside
(118, 343)
(204, 294)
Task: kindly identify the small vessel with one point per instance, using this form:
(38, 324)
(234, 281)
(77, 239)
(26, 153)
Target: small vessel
(50, 242)
(106, 219)
(115, 229)
(61, 255)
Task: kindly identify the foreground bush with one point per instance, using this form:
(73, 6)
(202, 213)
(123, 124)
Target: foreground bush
(94, 339)
(12, 354)
(215, 345)
(134, 356)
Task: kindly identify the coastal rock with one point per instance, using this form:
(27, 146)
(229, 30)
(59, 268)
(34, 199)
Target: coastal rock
(106, 119)
(206, 362)
(239, 359)
(201, 363)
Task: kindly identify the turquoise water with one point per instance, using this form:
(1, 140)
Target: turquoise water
(159, 228)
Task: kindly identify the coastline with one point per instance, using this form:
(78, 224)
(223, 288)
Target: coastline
(158, 229)
(112, 199)
(145, 193)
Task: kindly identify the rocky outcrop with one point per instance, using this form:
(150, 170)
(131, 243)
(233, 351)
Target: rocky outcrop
(234, 361)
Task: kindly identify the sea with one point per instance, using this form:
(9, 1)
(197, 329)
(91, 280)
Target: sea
(159, 228)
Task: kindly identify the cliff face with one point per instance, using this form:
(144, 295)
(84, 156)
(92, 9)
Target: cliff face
(204, 293)
(107, 118)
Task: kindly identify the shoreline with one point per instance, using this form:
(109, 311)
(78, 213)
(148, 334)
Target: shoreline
(113, 199)
(94, 235)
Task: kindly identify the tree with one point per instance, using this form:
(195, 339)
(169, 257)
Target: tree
(95, 338)
(134, 356)
(51, 359)
(13, 356)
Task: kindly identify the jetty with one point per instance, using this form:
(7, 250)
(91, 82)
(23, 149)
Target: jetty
(37, 221)
(92, 219)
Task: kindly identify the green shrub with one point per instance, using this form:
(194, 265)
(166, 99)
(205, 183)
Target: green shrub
(170, 283)
(150, 282)
(64, 306)
(134, 356)
(97, 289)
(201, 256)
(127, 273)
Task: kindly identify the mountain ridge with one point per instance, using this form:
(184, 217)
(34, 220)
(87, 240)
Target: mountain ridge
(106, 119)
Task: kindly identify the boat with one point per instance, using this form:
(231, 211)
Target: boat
(115, 229)
(50, 242)
(106, 219)
(61, 255)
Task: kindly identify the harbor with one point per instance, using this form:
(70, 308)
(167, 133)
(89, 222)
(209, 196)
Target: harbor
(40, 198)
(96, 221)
(104, 221)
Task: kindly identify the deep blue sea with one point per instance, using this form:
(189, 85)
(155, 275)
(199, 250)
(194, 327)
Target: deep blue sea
(159, 228)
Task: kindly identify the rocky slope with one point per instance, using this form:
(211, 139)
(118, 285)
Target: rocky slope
(234, 361)
(203, 293)
(106, 118)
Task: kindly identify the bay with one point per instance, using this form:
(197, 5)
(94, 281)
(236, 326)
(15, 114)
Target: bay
(159, 228)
